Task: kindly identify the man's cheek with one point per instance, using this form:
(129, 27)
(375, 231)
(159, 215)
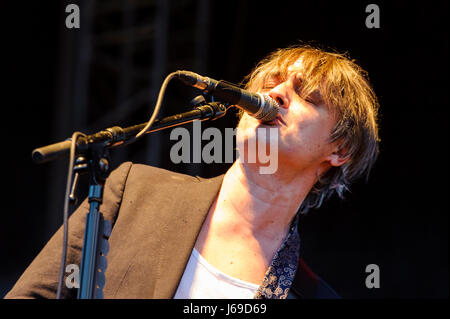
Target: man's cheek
(247, 122)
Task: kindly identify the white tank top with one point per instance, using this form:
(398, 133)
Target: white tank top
(202, 281)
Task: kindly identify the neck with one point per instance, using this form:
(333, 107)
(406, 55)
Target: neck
(262, 204)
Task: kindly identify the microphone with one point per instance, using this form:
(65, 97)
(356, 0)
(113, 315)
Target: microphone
(260, 106)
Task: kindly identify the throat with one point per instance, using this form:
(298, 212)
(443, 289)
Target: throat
(233, 258)
(234, 248)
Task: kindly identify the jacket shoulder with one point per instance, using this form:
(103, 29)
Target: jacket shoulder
(41, 277)
(142, 171)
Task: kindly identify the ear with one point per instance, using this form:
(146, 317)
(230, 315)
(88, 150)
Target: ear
(339, 157)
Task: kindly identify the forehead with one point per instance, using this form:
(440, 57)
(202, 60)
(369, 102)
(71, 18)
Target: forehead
(287, 69)
(296, 67)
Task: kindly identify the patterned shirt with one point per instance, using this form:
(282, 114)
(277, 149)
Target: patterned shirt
(280, 275)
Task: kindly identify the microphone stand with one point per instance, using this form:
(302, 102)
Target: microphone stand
(92, 153)
(116, 136)
(97, 231)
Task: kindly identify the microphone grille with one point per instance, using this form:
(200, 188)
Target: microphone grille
(269, 110)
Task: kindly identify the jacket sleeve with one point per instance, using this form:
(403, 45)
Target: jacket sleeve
(40, 279)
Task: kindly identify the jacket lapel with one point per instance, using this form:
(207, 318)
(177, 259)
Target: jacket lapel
(160, 217)
(183, 227)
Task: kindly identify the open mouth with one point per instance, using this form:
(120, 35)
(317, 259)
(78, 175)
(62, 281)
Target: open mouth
(278, 121)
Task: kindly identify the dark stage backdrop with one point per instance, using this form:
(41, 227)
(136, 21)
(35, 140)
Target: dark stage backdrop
(57, 80)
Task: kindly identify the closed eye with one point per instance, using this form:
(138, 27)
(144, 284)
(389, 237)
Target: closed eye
(310, 99)
(314, 98)
(271, 82)
(267, 87)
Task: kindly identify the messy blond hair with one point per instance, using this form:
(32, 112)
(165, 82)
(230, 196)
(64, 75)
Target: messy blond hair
(345, 89)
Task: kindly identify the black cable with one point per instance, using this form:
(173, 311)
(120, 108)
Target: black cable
(162, 91)
(75, 136)
(158, 104)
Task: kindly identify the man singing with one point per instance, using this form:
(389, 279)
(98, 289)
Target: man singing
(235, 235)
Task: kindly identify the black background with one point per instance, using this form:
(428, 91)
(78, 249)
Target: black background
(398, 220)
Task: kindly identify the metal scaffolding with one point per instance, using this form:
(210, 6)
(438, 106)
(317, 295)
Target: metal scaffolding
(113, 66)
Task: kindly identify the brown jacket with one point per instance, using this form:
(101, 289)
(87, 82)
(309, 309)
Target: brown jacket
(156, 216)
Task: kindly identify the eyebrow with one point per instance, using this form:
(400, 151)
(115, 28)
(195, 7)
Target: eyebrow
(273, 75)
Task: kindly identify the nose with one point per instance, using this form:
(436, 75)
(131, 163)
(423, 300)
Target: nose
(278, 94)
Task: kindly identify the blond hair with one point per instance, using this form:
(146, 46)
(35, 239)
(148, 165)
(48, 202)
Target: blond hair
(345, 88)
